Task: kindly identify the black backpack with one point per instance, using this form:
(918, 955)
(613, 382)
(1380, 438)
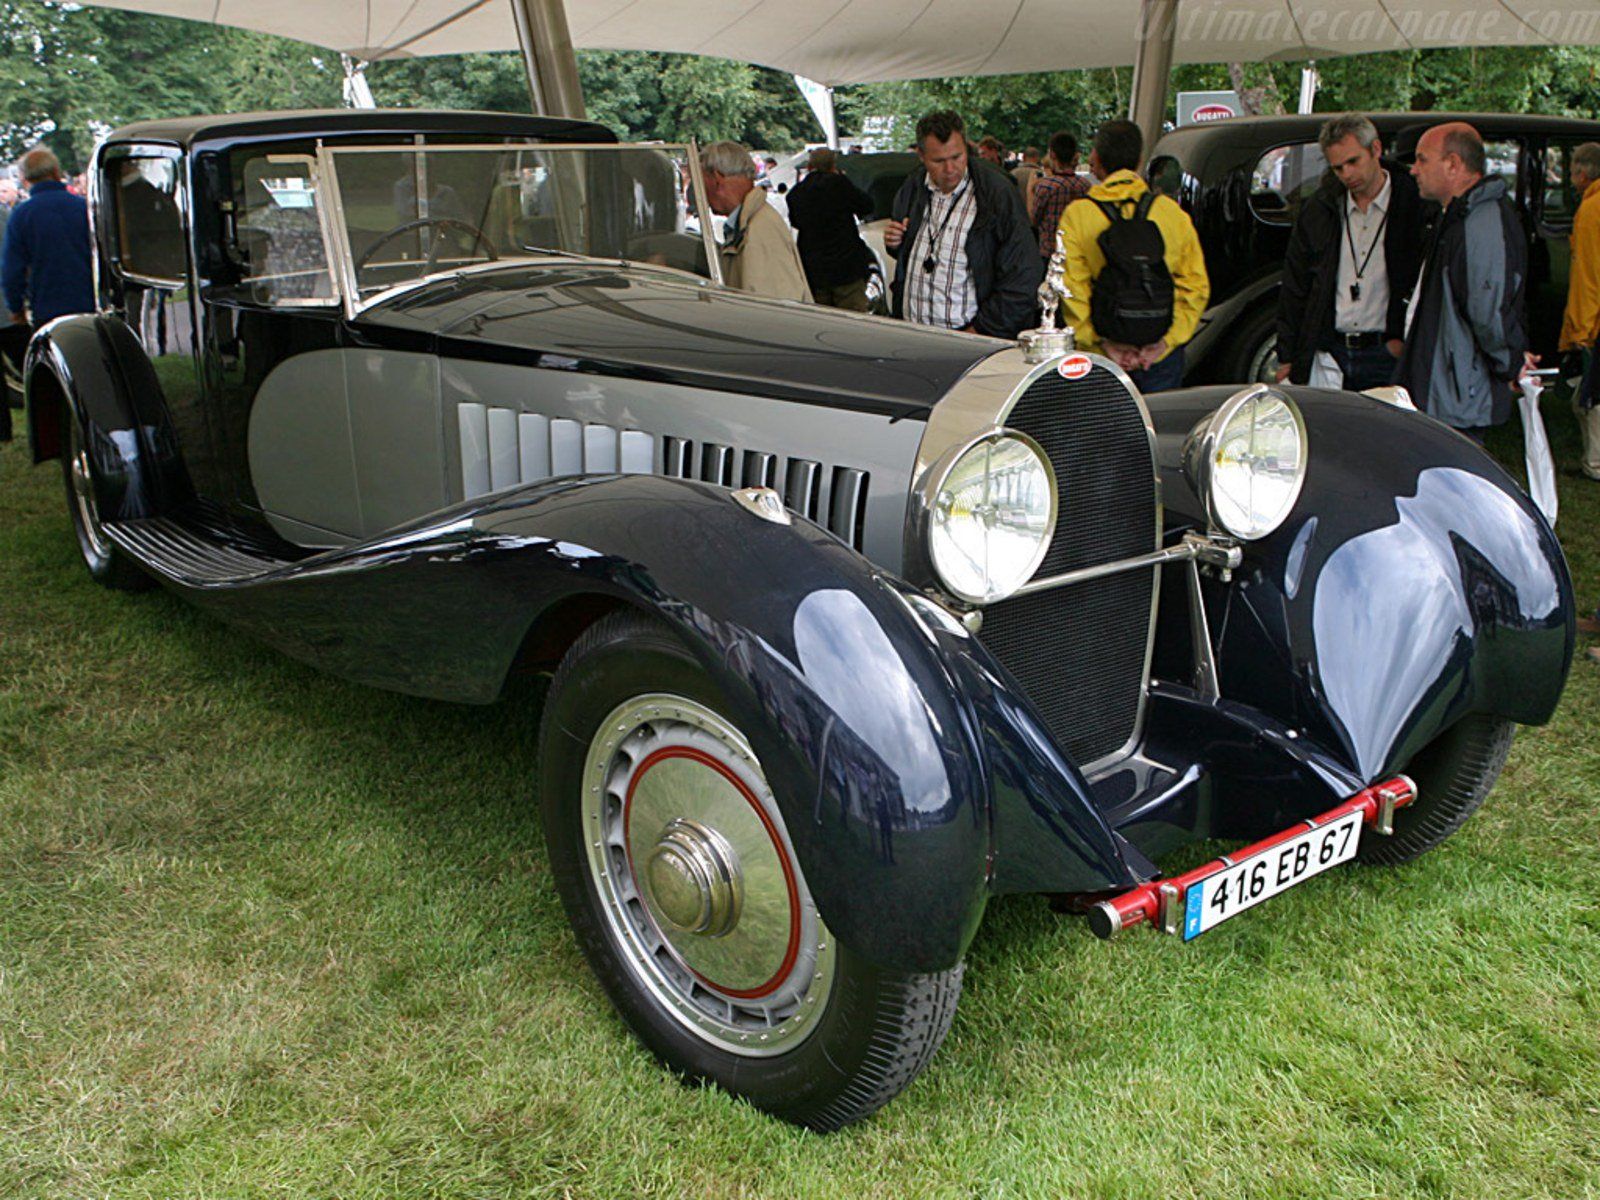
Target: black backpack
(1132, 298)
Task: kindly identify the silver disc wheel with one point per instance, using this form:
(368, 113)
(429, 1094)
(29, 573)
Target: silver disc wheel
(697, 880)
(85, 506)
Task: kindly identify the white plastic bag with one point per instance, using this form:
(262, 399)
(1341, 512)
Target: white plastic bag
(1541, 467)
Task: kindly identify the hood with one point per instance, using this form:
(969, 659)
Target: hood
(1489, 190)
(652, 323)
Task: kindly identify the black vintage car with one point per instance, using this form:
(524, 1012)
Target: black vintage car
(852, 625)
(1243, 180)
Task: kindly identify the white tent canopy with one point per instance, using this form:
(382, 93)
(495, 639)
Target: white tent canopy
(857, 41)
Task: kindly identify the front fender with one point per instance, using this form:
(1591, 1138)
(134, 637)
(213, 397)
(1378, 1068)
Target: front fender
(96, 365)
(903, 764)
(1413, 583)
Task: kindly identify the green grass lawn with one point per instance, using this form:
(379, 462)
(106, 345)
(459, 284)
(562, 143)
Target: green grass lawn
(265, 933)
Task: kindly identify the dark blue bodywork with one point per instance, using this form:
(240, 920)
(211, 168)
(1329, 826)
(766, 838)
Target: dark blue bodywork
(915, 777)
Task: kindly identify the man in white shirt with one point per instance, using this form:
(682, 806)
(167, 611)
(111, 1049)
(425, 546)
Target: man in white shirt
(1351, 265)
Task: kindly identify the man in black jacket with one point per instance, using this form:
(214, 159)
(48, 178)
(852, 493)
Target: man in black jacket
(1351, 265)
(823, 208)
(967, 255)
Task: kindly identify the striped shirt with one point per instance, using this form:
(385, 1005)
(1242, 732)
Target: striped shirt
(944, 296)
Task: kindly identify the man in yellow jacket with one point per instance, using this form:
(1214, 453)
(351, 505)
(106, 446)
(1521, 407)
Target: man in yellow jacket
(1156, 365)
(1581, 325)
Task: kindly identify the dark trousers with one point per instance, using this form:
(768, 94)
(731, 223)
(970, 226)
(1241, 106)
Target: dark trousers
(1367, 367)
(1164, 376)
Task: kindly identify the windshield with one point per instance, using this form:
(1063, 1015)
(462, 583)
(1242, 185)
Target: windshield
(406, 213)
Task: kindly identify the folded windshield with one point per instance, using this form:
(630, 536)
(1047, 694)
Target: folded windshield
(407, 213)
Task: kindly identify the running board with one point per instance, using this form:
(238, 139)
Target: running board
(193, 551)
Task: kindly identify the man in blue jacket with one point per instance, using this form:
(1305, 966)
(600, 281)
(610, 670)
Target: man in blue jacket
(45, 263)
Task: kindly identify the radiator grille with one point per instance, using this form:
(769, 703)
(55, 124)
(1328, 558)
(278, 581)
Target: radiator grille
(1079, 652)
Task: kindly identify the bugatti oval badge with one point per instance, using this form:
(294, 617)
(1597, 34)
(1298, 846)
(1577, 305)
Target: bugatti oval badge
(1075, 366)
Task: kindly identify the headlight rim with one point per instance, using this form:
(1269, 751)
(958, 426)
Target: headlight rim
(934, 484)
(1200, 456)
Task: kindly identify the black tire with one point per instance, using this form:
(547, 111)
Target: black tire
(1250, 354)
(1453, 774)
(107, 564)
(860, 1033)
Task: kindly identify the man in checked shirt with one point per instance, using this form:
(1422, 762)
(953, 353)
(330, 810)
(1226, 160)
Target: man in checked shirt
(967, 255)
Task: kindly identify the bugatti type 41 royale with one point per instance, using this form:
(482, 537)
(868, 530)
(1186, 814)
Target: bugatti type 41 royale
(851, 624)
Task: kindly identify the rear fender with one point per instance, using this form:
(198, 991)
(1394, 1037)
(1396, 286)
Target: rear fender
(1413, 583)
(97, 365)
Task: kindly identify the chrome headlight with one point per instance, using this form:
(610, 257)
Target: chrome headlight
(992, 512)
(1247, 462)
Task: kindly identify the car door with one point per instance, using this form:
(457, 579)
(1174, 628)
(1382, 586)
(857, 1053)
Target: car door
(141, 207)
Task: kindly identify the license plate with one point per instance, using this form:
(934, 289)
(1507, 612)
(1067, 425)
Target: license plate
(1263, 875)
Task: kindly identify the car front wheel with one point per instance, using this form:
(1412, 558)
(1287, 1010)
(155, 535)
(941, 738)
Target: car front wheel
(107, 564)
(676, 870)
(1453, 774)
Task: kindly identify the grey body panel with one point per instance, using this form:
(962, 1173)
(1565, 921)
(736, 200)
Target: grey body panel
(347, 443)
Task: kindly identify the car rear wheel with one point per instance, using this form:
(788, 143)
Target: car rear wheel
(1453, 774)
(676, 870)
(107, 564)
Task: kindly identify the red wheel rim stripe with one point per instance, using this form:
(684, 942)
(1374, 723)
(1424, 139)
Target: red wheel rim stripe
(792, 953)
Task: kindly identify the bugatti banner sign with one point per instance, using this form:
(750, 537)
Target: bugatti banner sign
(1197, 107)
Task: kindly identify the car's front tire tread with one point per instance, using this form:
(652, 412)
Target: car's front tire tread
(1453, 774)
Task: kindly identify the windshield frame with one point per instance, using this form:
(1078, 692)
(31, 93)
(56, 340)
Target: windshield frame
(336, 231)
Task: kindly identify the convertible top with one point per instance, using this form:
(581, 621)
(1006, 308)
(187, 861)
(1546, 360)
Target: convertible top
(185, 131)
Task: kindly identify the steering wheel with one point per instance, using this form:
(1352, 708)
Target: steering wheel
(440, 225)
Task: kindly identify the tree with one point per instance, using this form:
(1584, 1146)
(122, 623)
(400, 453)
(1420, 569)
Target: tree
(70, 74)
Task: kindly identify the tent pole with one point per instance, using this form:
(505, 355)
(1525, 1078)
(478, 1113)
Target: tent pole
(1152, 66)
(551, 61)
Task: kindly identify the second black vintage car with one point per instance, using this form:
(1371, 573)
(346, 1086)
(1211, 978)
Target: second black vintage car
(852, 625)
(1243, 180)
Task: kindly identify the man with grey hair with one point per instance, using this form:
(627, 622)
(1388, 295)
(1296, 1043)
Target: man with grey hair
(1581, 325)
(1352, 260)
(1466, 342)
(758, 253)
(44, 265)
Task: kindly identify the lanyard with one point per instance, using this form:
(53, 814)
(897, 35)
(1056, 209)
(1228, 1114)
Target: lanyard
(1361, 267)
(931, 262)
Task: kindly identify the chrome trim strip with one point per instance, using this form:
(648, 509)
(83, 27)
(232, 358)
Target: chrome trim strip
(703, 214)
(1179, 553)
(325, 183)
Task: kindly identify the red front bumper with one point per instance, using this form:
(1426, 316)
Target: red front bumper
(1160, 903)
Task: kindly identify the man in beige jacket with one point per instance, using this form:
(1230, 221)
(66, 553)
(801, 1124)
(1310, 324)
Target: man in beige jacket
(758, 252)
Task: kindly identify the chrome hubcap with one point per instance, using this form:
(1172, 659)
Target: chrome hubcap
(83, 496)
(693, 878)
(693, 868)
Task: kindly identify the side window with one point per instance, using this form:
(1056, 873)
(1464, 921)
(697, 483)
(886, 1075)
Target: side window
(1282, 180)
(1502, 159)
(279, 235)
(1560, 204)
(149, 220)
